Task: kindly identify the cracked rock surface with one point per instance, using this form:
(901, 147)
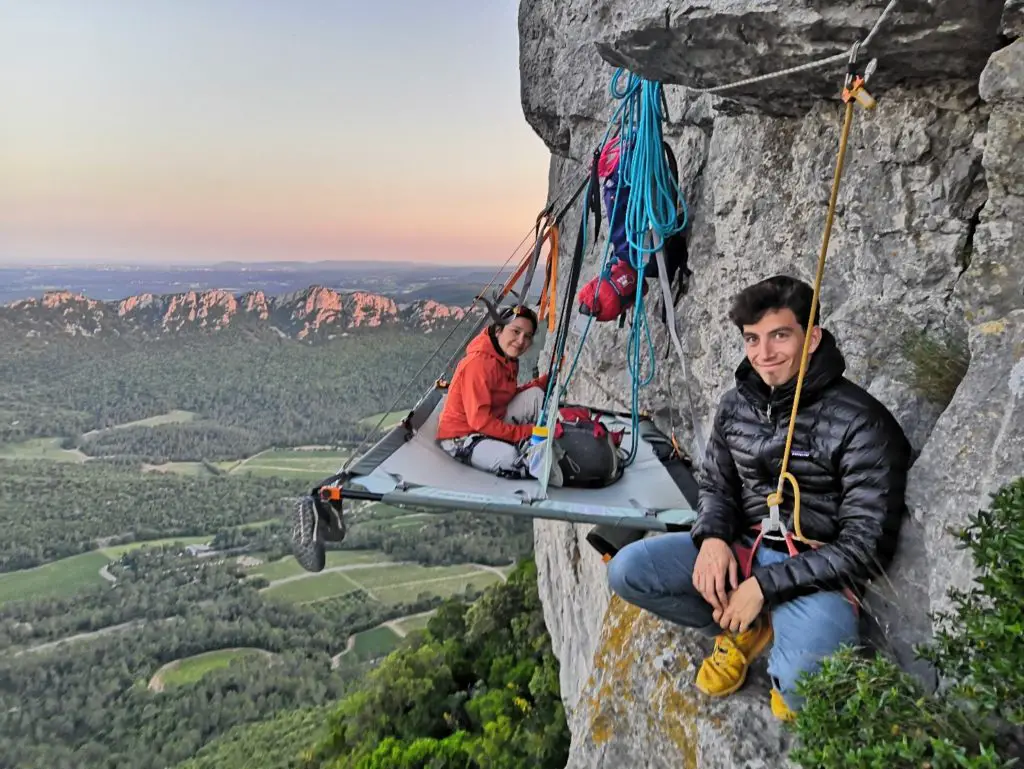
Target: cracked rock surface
(923, 290)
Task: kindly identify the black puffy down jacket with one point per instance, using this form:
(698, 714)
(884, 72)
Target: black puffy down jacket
(850, 458)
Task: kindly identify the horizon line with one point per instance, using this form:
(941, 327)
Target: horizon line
(508, 264)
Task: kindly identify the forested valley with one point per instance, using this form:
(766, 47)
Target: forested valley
(249, 392)
(476, 689)
(151, 613)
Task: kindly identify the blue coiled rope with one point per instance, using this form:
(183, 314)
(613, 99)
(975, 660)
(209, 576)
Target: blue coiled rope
(652, 217)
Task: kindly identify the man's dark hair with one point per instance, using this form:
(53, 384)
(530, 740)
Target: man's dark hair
(779, 292)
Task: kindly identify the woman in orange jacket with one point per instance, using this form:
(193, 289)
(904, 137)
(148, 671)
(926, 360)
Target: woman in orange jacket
(487, 415)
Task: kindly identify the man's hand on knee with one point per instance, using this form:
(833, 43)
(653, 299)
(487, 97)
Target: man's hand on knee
(715, 572)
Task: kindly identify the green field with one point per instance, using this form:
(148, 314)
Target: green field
(391, 418)
(174, 417)
(40, 448)
(289, 567)
(59, 579)
(49, 448)
(387, 576)
(443, 588)
(374, 643)
(310, 464)
(197, 469)
(387, 584)
(378, 511)
(116, 551)
(70, 575)
(190, 669)
(304, 464)
(385, 517)
(257, 524)
(409, 521)
(410, 624)
(314, 588)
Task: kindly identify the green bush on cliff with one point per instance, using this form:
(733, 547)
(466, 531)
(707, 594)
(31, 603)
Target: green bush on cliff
(866, 712)
(978, 645)
(478, 689)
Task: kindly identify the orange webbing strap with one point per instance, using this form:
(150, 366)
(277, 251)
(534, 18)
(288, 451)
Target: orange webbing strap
(551, 234)
(549, 296)
(515, 276)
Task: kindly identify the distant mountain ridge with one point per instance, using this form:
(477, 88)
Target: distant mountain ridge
(313, 314)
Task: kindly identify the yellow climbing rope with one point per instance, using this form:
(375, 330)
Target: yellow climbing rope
(853, 90)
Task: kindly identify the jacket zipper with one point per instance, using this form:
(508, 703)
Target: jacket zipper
(768, 412)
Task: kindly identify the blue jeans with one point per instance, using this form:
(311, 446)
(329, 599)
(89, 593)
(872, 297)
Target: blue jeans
(656, 574)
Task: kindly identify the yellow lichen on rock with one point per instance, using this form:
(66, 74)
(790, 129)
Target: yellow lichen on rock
(610, 673)
(671, 710)
(676, 717)
(993, 327)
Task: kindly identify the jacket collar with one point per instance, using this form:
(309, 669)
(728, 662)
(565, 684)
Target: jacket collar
(825, 366)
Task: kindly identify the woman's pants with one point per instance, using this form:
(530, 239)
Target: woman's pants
(490, 454)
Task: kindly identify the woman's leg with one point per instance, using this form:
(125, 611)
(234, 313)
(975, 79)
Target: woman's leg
(525, 407)
(494, 456)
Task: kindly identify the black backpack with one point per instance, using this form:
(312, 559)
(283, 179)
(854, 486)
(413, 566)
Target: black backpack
(589, 454)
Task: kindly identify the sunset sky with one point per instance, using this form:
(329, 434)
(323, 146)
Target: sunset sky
(250, 130)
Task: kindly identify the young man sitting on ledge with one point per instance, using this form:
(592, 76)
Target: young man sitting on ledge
(850, 457)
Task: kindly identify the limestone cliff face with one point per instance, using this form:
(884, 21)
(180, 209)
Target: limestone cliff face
(923, 290)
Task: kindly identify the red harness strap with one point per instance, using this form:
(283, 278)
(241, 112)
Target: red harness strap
(745, 556)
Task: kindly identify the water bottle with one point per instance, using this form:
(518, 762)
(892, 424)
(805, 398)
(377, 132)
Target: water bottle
(540, 434)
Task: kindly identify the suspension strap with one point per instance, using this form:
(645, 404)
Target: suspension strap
(670, 321)
(507, 288)
(591, 205)
(539, 238)
(853, 90)
(549, 296)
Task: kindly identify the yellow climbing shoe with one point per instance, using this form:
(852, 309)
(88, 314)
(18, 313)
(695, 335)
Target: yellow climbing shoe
(779, 707)
(725, 670)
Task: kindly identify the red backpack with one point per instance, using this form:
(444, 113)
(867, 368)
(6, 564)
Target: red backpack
(609, 295)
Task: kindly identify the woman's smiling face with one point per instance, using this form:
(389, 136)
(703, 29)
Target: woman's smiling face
(516, 337)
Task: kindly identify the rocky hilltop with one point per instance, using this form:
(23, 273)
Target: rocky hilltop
(923, 291)
(316, 313)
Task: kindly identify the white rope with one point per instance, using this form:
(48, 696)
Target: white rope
(834, 59)
(670, 321)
